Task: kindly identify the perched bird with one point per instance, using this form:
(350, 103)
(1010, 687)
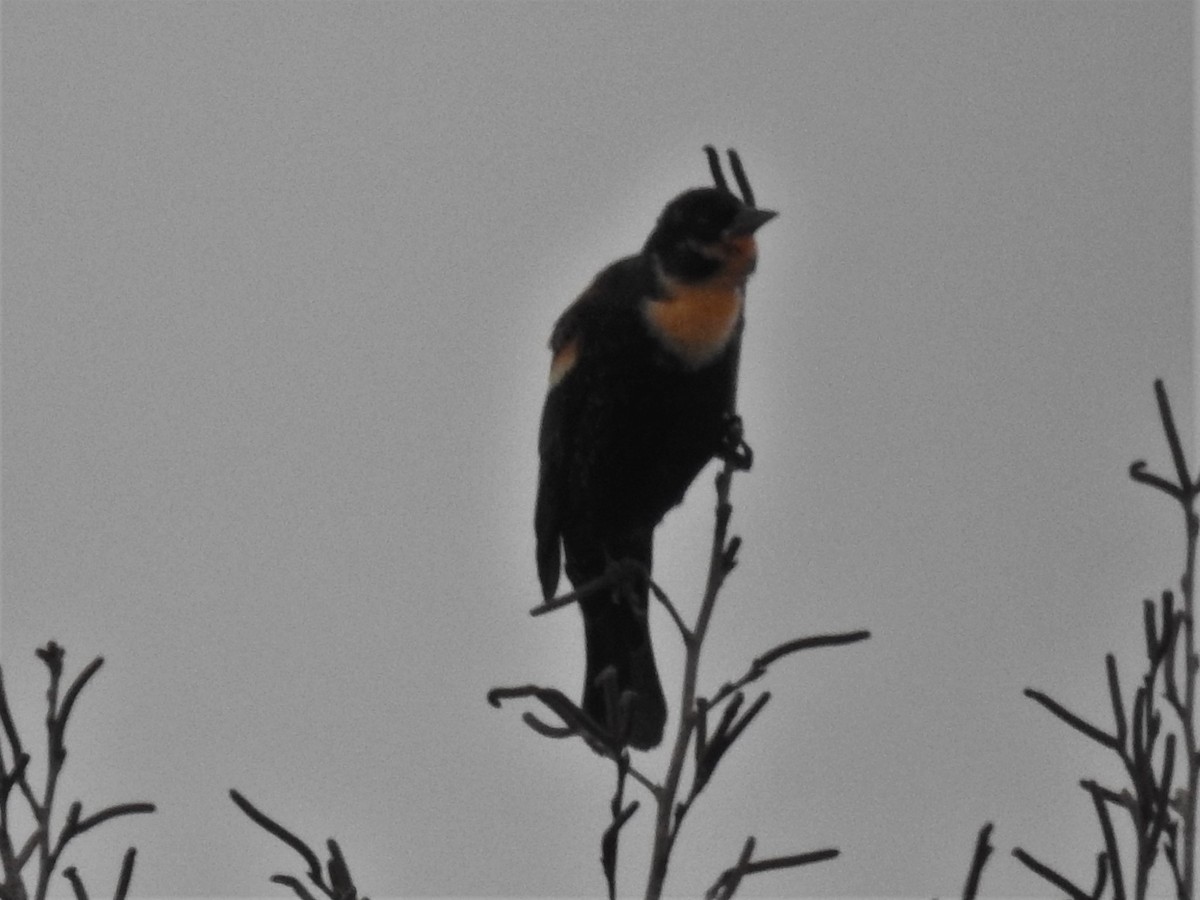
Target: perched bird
(642, 387)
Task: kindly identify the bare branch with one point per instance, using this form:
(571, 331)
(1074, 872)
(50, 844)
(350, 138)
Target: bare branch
(10, 728)
(295, 884)
(77, 685)
(1084, 727)
(729, 880)
(1101, 797)
(739, 174)
(269, 825)
(1137, 471)
(340, 882)
(1118, 705)
(714, 166)
(594, 586)
(610, 839)
(126, 875)
(72, 875)
(790, 862)
(661, 596)
(759, 666)
(111, 812)
(1059, 881)
(983, 849)
(1172, 433)
(1101, 874)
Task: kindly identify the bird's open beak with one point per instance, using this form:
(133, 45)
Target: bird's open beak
(749, 220)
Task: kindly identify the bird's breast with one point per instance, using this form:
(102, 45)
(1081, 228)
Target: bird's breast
(696, 321)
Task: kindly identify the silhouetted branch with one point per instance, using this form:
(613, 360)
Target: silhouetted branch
(1172, 433)
(340, 885)
(262, 820)
(576, 720)
(610, 840)
(728, 881)
(1058, 880)
(708, 750)
(595, 586)
(707, 747)
(72, 875)
(1161, 818)
(123, 880)
(759, 666)
(983, 849)
(39, 842)
(714, 167)
(111, 812)
(1080, 725)
(126, 875)
(661, 596)
(1101, 797)
(1137, 471)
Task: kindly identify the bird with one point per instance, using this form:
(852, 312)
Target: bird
(641, 396)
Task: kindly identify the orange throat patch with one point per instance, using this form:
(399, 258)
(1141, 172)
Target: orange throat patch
(696, 321)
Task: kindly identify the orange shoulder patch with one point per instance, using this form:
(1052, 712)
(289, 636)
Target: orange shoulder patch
(564, 360)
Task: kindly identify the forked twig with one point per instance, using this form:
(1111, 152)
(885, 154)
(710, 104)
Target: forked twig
(735, 165)
(714, 166)
(42, 843)
(1163, 819)
(728, 881)
(339, 886)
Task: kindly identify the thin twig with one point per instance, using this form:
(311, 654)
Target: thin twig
(759, 666)
(72, 875)
(661, 596)
(983, 849)
(1101, 798)
(297, 886)
(1148, 747)
(49, 848)
(1172, 433)
(340, 885)
(262, 820)
(609, 841)
(664, 834)
(728, 881)
(1059, 881)
(126, 874)
(112, 812)
(1080, 725)
(1185, 493)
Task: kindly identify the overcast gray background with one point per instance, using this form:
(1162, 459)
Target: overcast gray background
(277, 284)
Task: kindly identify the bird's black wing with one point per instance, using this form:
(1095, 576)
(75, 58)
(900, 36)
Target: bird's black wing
(577, 334)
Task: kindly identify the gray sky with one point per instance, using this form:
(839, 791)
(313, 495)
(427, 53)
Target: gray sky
(277, 284)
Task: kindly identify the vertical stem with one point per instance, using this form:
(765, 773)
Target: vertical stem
(1186, 495)
(1187, 584)
(664, 836)
(54, 761)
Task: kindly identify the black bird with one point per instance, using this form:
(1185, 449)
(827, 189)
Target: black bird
(642, 387)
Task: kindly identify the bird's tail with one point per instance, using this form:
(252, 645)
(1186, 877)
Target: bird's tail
(617, 630)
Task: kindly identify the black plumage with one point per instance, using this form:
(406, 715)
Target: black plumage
(642, 393)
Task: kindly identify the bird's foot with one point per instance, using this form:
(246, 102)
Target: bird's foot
(734, 450)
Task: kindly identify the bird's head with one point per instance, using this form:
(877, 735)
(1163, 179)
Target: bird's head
(706, 232)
